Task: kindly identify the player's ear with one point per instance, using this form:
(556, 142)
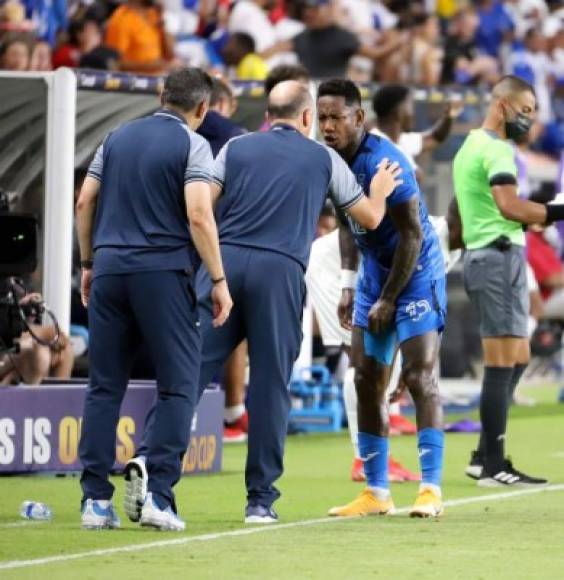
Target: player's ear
(360, 117)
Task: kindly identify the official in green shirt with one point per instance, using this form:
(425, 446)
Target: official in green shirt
(484, 157)
(492, 216)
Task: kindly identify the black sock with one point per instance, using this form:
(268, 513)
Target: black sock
(493, 414)
(517, 374)
(518, 371)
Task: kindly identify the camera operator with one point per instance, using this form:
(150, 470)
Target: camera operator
(44, 351)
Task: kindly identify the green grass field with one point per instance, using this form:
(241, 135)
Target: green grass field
(520, 536)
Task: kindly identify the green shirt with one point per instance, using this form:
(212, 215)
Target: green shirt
(481, 157)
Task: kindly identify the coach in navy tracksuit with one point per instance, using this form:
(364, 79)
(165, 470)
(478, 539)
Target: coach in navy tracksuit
(273, 187)
(147, 178)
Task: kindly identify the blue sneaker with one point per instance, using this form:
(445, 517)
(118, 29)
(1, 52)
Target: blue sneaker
(99, 514)
(154, 517)
(259, 514)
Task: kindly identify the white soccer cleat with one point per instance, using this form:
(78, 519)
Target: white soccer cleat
(136, 478)
(164, 520)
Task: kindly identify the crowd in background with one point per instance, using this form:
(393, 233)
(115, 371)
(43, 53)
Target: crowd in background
(421, 42)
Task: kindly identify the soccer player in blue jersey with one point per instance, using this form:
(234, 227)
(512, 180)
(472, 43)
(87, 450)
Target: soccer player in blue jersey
(399, 303)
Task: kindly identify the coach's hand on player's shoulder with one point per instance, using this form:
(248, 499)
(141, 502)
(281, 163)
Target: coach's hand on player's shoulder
(345, 308)
(222, 303)
(386, 178)
(381, 315)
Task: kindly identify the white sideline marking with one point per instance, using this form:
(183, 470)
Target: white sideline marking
(249, 531)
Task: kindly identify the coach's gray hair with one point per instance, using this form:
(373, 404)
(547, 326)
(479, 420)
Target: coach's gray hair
(186, 88)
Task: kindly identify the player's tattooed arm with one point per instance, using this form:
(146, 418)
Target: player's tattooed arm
(405, 217)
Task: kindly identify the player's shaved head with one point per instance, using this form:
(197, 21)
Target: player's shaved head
(288, 100)
(510, 86)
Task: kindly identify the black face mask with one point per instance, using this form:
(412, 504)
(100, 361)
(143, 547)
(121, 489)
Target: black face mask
(518, 127)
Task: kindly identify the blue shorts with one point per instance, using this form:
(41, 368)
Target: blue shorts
(420, 308)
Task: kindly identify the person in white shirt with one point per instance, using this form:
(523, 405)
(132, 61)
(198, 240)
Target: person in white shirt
(393, 107)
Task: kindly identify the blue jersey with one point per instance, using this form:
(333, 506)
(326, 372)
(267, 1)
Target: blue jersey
(379, 246)
(143, 166)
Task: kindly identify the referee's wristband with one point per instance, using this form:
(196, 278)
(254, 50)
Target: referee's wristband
(86, 264)
(554, 212)
(348, 279)
(217, 280)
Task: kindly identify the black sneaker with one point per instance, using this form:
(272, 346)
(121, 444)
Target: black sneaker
(510, 477)
(476, 466)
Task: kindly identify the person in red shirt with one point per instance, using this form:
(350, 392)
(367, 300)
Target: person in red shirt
(549, 272)
(68, 53)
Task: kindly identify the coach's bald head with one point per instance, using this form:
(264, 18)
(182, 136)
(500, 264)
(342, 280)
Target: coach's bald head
(291, 103)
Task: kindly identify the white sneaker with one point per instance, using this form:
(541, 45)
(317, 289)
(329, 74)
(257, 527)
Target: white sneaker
(99, 514)
(136, 478)
(164, 520)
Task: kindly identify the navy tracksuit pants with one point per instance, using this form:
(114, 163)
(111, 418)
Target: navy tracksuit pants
(159, 307)
(268, 292)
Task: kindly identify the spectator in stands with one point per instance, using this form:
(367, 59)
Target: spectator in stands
(462, 63)
(557, 51)
(94, 53)
(13, 17)
(84, 47)
(426, 55)
(217, 128)
(555, 21)
(49, 16)
(532, 63)
(239, 52)
(495, 27)
(41, 59)
(68, 53)
(548, 270)
(136, 31)
(526, 14)
(552, 141)
(325, 48)
(251, 17)
(15, 54)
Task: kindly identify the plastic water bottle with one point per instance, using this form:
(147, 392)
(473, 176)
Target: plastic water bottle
(32, 510)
